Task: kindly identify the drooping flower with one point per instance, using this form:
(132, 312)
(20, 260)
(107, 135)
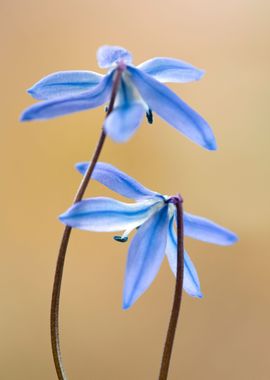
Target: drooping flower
(140, 92)
(153, 215)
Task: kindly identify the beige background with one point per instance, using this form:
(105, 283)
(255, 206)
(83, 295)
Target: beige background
(226, 334)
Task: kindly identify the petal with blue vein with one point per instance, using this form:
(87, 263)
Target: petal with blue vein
(172, 109)
(127, 114)
(118, 181)
(205, 230)
(108, 55)
(103, 214)
(191, 282)
(67, 105)
(64, 83)
(123, 122)
(145, 256)
(171, 70)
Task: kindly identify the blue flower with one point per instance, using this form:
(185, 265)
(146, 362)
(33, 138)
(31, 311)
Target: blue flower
(140, 92)
(153, 215)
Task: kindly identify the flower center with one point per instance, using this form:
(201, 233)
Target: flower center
(174, 199)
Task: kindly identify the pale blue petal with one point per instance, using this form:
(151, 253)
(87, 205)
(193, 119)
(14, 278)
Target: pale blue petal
(110, 55)
(105, 214)
(172, 109)
(203, 229)
(64, 83)
(171, 70)
(191, 280)
(118, 181)
(127, 114)
(127, 93)
(145, 256)
(123, 122)
(63, 106)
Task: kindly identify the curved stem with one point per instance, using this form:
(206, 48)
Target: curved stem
(54, 317)
(60, 267)
(165, 363)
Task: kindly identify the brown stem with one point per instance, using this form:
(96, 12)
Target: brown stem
(165, 363)
(55, 342)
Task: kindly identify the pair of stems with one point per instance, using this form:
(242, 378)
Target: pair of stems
(55, 302)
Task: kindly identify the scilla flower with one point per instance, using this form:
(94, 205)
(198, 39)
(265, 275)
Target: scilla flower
(140, 92)
(153, 215)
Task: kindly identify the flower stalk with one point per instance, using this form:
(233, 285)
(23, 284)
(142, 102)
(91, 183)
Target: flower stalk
(165, 363)
(55, 301)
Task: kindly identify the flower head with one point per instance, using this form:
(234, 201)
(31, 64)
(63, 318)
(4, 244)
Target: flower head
(140, 92)
(153, 215)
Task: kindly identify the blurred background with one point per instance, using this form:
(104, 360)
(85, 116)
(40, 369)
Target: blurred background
(226, 334)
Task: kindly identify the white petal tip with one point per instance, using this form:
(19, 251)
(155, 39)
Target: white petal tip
(117, 138)
(195, 294)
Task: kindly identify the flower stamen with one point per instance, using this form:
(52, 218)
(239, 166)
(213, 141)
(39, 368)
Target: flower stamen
(149, 116)
(121, 239)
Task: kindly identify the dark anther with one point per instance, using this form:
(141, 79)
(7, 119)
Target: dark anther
(149, 116)
(106, 108)
(120, 238)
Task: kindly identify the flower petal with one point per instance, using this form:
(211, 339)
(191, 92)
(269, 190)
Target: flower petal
(105, 214)
(145, 256)
(109, 55)
(191, 280)
(127, 114)
(64, 83)
(123, 122)
(170, 70)
(172, 109)
(203, 229)
(63, 106)
(118, 181)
